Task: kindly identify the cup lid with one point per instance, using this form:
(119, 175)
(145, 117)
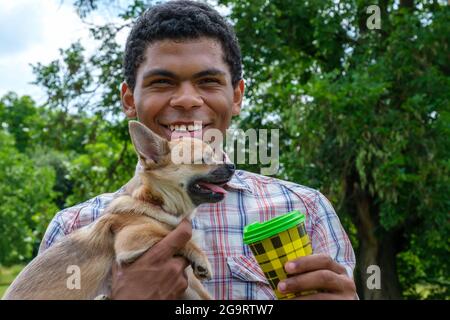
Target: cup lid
(258, 231)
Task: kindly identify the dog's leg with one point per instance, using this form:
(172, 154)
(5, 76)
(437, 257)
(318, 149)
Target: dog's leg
(133, 240)
(196, 289)
(199, 261)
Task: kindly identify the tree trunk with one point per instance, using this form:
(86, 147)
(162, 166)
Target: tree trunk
(376, 249)
(376, 246)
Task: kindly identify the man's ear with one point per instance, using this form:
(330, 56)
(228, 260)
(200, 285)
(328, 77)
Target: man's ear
(127, 98)
(150, 147)
(238, 95)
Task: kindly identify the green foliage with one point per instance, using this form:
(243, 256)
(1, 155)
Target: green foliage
(364, 114)
(18, 116)
(105, 166)
(69, 158)
(25, 202)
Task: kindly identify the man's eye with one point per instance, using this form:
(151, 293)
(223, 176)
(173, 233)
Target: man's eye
(160, 81)
(209, 80)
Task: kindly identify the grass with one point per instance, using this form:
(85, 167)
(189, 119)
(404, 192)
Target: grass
(7, 275)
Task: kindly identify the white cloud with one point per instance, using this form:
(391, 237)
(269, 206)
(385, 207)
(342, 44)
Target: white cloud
(33, 31)
(15, 21)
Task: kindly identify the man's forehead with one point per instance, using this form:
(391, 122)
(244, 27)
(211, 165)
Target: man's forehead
(183, 58)
(172, 44)
(186, 47)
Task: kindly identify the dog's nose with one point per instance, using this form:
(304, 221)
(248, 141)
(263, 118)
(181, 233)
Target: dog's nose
(230, 167)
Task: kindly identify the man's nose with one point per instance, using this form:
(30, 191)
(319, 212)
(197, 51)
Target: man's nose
(186, 97)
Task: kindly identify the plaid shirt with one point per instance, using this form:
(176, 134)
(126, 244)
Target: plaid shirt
(218, 229)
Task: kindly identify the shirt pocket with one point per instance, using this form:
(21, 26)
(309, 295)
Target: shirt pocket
(245, 269)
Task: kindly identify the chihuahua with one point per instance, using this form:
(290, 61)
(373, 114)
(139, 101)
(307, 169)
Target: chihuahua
(153, 203)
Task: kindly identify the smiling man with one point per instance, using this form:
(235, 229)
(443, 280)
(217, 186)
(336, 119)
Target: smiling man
(183, 76)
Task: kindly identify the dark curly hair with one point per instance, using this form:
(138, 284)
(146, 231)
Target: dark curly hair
(180, 20)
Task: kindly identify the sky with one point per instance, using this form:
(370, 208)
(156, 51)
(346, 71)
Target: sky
(32, 31)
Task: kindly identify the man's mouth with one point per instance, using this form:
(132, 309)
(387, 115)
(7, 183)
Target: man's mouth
(185, 129)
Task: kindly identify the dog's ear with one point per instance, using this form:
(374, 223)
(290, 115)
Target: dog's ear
(150, 147)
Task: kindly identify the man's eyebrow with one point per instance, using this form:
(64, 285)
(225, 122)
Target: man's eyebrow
(158, 72)
(169, 74)
(209, 72)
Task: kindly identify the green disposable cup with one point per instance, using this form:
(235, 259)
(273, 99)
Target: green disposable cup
(277, 241)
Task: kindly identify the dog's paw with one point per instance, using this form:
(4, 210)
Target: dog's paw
(202, 269)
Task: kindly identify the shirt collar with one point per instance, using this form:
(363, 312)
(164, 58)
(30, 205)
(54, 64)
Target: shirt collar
(238, 183)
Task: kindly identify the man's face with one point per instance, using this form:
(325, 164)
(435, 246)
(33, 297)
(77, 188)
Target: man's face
(182, 83)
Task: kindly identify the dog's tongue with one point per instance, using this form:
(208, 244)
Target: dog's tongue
(213, 187)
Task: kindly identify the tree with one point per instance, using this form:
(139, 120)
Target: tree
(365, 119)
(25, 207)
(83, 94)
(46, 166)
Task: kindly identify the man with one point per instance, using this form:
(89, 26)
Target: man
(182, 65)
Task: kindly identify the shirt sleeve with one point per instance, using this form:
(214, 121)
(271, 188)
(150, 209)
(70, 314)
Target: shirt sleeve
(75, 217)
(328, 235)
(53, 234)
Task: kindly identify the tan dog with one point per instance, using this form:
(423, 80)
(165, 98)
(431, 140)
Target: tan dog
(153, 204)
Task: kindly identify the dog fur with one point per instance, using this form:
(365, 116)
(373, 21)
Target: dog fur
(154, 202)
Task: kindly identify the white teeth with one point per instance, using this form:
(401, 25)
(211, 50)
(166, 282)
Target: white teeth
(184, 128)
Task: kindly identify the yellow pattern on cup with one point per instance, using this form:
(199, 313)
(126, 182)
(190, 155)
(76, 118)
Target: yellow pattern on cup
(276, 242)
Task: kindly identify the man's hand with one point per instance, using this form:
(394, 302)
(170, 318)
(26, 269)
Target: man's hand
(318, 272)
(157, 274)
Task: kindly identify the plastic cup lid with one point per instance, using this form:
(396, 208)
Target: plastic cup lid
(258, 231)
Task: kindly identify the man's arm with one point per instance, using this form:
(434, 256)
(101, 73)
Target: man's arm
(53, 234)
(73, 218)
(330, 270)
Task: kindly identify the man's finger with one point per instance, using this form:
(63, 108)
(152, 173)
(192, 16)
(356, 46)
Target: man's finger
(319, 296)
(180, 264)
(174, 241)
(312, 263)
(317, 280)
(114, 268)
